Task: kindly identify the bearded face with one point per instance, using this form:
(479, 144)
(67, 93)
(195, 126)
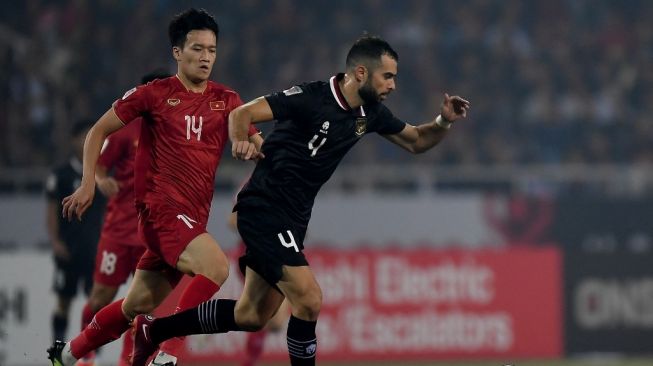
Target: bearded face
(368, 94)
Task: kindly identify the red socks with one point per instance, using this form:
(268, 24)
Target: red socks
(87, 316)
(199, 289)
(254, 347)
(107, 325)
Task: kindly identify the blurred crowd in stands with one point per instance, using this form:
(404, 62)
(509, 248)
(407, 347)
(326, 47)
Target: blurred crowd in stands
(550, 81)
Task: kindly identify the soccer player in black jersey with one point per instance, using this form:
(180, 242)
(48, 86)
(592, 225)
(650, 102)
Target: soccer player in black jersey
(317, 123)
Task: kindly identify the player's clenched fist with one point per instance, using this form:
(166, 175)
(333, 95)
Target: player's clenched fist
(245, 150)
(78, 202)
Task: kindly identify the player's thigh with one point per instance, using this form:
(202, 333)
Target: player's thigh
(300, 287)
(148, 289)
(258, 302)
(204, 256)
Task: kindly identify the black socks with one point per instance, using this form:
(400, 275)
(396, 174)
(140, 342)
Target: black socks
(302, 342)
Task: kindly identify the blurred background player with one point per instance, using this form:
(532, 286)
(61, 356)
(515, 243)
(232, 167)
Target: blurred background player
(119, 248)
(256, 340)
(184, 131)
(73, 243)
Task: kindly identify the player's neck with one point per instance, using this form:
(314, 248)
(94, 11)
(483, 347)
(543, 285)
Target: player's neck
(191, 86)
(349, 90)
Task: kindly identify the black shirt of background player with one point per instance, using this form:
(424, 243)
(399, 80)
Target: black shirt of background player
(80, 237)
(315, 128)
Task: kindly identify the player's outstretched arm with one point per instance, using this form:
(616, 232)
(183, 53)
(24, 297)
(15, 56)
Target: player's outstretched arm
(258, 110)
(81, 199)
(418, 139)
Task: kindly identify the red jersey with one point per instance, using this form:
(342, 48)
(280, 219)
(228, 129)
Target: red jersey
(182, 138)
(118, 152)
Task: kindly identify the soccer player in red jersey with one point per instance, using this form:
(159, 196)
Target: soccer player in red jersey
(184, 130)
(119, 248)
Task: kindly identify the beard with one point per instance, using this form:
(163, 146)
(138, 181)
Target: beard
(368, 94)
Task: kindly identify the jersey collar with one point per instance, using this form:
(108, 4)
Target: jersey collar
(183, 86)
(340, 99)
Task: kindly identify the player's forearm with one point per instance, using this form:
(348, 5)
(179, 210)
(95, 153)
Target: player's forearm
(430, 134)
(100, 173)
(92, 147)
(239, 121)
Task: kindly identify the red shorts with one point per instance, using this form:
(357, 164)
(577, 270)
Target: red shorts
(166, 233)
(115, 261)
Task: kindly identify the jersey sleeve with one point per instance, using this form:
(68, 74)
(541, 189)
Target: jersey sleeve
(387, 123)
(290, 104)
(111, 151)
(135, 103)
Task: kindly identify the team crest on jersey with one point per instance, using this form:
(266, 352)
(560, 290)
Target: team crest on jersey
(128, 93)
(173, 101)
(294, 90)
(217, 105)
(361, 126)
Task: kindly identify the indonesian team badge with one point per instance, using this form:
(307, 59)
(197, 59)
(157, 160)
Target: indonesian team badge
(361, 126)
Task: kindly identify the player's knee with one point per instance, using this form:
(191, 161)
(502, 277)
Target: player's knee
(137, 305)
(216, 268)
(308, 307)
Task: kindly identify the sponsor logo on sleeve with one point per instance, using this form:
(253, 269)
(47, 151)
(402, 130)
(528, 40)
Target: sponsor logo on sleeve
(294, 90)
(128, 93)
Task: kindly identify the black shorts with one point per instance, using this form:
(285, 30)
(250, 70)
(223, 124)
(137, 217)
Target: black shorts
(69, 274)
(272, 241)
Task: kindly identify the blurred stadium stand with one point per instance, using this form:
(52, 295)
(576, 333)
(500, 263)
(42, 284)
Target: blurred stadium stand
(557, 87)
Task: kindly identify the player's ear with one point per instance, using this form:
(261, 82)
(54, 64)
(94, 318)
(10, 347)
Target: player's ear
(176, 53)
(360, 73)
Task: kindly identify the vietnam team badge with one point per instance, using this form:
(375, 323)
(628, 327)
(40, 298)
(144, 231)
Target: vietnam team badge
(361, 126)
(217, 105)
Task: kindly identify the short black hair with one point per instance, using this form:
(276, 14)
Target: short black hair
(187, 21)
(159, 73)
(81, 127)
(368, 50)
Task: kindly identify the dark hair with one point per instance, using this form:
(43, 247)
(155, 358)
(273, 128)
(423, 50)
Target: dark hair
(81, 127)
(187, 21)
(368, 50)
(160, 73)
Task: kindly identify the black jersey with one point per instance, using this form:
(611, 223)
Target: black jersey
(79, 237)
(315, 128)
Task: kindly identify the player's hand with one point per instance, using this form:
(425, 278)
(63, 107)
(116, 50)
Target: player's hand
(245, 150)
(60, 250)
(77, 203)
(453, 108)
(108, 186)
